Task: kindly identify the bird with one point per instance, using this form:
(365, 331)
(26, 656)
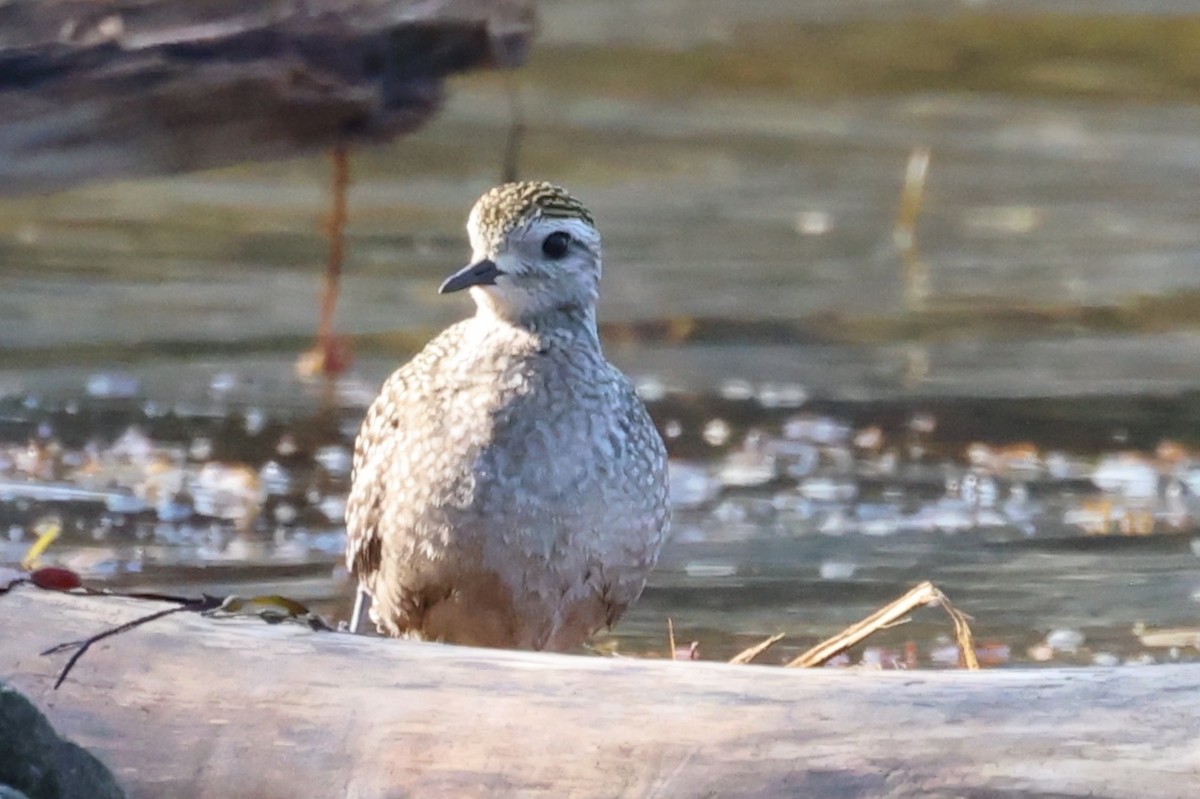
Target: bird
(509, 488)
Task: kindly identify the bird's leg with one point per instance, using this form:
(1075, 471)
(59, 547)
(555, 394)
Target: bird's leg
(361, 616)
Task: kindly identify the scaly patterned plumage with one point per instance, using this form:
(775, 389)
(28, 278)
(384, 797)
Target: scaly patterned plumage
(509, 488)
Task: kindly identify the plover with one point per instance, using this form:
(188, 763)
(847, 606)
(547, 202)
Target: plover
(509, 487)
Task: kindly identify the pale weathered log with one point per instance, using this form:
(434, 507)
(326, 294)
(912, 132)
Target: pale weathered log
(97, 88)
(188, 706)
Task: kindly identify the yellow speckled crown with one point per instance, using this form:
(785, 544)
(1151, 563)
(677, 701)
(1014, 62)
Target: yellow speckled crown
(511, 205)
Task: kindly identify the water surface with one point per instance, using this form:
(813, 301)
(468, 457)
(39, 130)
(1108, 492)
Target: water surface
(745, 162)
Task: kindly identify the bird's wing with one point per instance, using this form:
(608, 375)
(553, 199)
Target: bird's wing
(645, 460)
(398, 413)
(364, 506)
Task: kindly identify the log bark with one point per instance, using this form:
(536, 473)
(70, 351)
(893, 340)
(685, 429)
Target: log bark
(190, 706)
(101, 88)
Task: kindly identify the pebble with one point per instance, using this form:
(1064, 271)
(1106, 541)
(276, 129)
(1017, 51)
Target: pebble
(1128, 474)
(112, 385)
(716, 432)
(335, 459)
(837, 570)
(690, 485)
(1064, 640)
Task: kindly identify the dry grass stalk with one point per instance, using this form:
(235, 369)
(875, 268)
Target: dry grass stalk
(962, 633)
(670, 638)
(510, 169)
(924, 594)
(912, 197)
(748, 655)
(1179, 637)
(904, 233)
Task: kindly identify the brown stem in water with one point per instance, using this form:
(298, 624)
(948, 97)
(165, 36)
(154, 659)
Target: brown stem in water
(336, 229)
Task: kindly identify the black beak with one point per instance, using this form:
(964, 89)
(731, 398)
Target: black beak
(480, 273)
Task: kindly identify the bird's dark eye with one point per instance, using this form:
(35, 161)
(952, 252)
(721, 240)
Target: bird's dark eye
(556, 244)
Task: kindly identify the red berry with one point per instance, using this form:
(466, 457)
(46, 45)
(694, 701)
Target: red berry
(54, 578)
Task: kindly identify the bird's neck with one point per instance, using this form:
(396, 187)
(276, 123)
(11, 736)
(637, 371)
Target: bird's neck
(572, 325)
(568, 318)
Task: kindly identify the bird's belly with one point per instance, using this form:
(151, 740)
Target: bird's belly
(531, 561)
(530, 529)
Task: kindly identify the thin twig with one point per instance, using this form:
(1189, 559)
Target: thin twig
(151, 596)
(671, 637)
(4, 589)
(748, 655)
(85, 644)
(275, 609)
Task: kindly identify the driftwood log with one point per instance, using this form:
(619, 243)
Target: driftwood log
(101, 88)
(197, 707)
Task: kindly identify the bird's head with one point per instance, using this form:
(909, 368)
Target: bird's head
(535, 250)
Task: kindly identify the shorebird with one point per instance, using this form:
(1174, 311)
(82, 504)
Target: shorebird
(509, 487)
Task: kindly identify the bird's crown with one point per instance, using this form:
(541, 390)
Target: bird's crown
(508, 206)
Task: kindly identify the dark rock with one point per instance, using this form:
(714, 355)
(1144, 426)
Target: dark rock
(35, 763)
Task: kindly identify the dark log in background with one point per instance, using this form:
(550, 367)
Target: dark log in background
(188, 706)
(103, 88)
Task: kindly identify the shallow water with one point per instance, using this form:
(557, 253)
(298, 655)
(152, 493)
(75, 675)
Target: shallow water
(745, 162)
(789, 519)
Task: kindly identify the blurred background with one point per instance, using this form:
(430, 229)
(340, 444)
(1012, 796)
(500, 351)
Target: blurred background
(910, 288)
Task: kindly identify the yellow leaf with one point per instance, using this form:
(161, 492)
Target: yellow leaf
(290, 606)
(47, 530)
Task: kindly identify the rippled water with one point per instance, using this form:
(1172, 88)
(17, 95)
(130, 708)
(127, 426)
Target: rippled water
(792, 516)
(745, 162)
